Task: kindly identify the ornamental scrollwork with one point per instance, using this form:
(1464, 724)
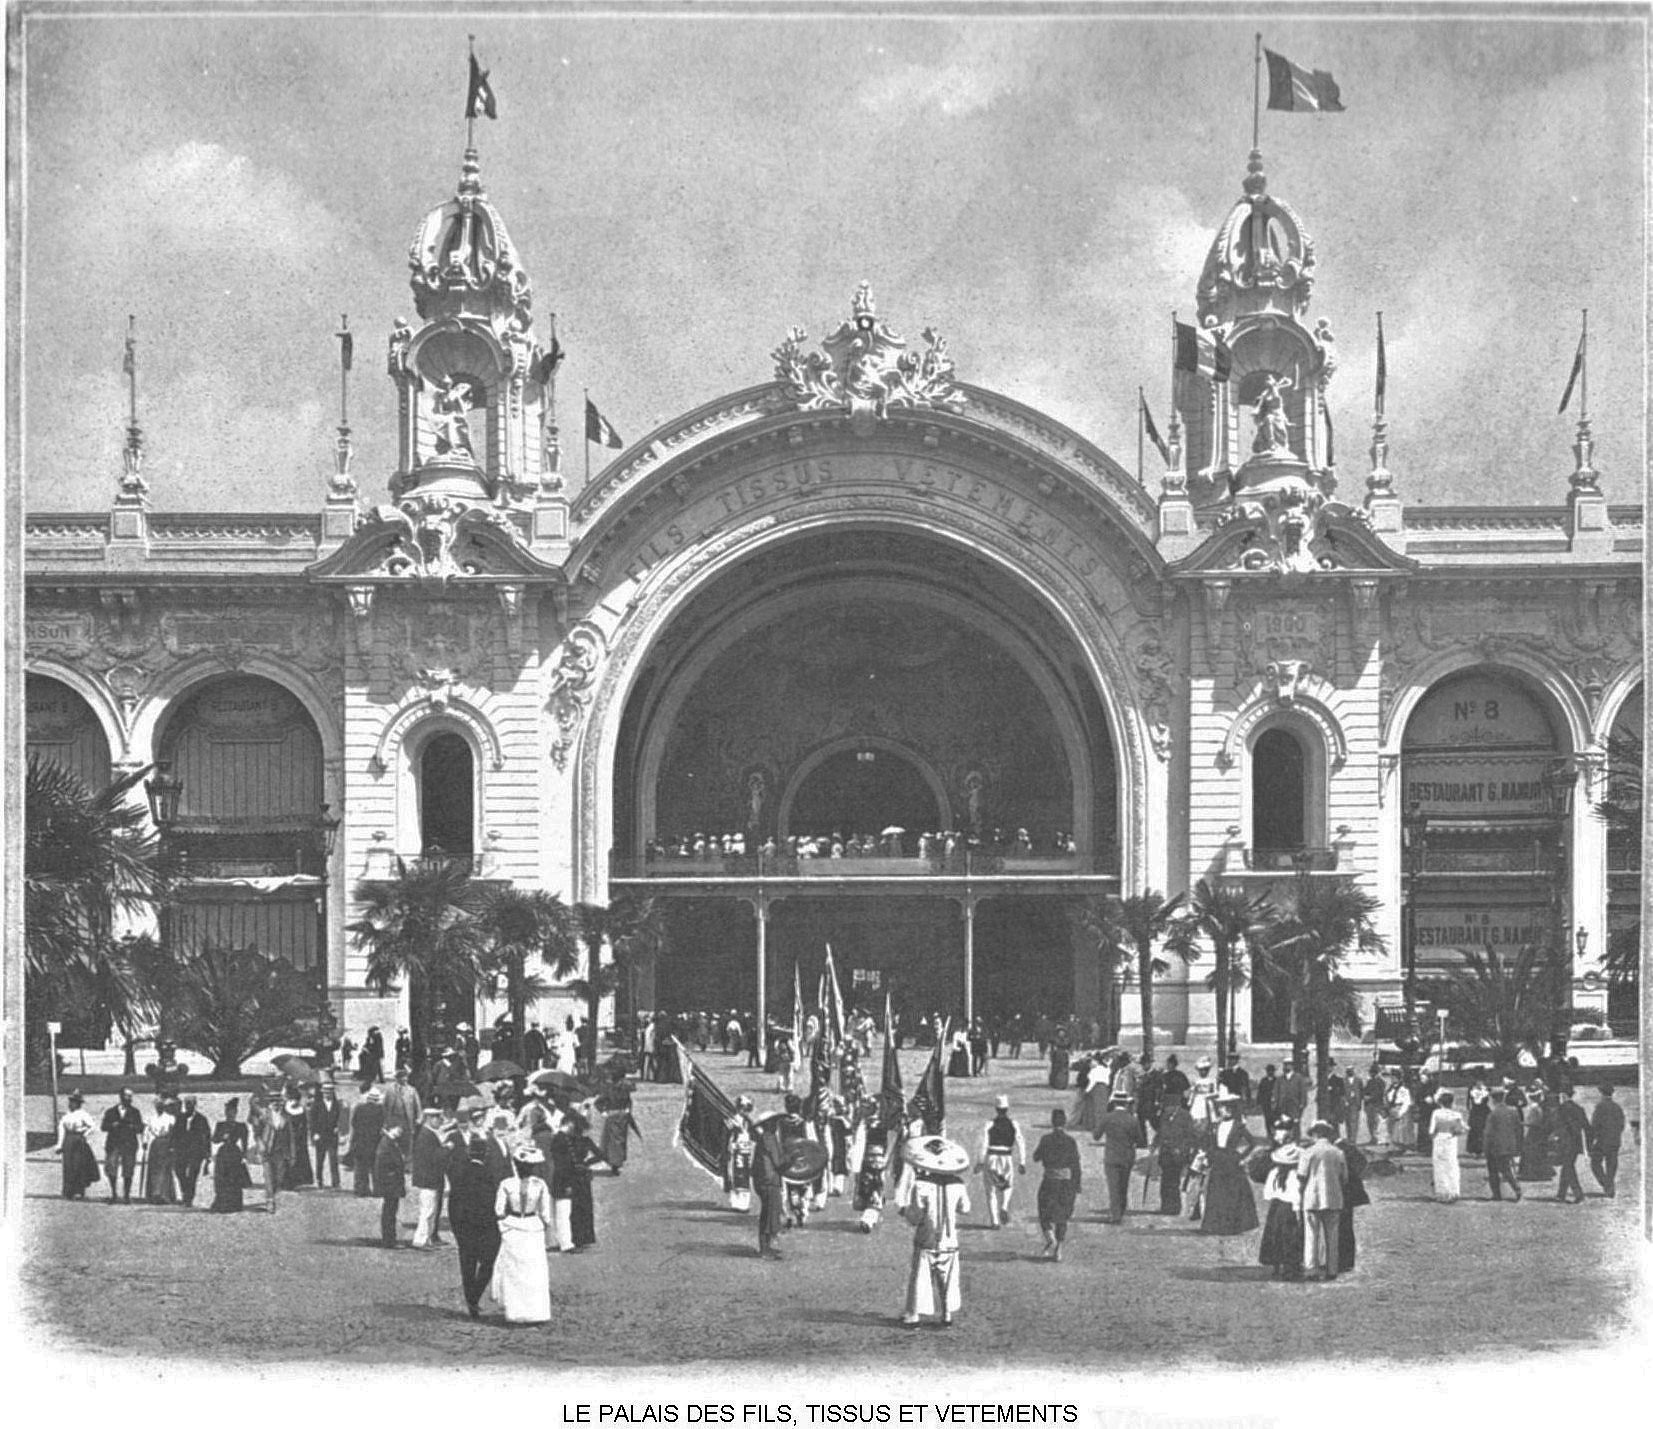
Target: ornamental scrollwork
(864, 369)
(570, 694)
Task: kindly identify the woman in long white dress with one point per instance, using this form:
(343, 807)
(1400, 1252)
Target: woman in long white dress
(1445, 1129)
(522, 1279)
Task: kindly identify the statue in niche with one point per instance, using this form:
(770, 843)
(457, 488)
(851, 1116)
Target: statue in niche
(453, 430)
(754, 799)
(1273, 430)
(974, 784)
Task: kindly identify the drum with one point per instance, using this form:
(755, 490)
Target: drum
(802, 1161)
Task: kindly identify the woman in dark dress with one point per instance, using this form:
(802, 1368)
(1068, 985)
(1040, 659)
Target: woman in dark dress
(295, 1134)
(230, 1177)
(575, 1159)
(1355, 1195)
(74, 1144)
(1479, 1106)
(1229, 1206)
(1282, 1246)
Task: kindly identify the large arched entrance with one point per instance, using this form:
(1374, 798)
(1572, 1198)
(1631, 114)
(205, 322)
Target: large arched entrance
(61, 727)
(868, 739)
(251, 823)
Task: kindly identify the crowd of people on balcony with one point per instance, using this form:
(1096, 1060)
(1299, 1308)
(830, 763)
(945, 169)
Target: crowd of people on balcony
(891, 843)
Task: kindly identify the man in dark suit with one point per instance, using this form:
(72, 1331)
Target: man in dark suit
(428, 1170)
(322, 1124)
(1501, 1140)
(367, 1124)
(471, 1189)
(1606, 1134)
(191, 1149)
(1268, 1092)
(1572, 1133)
(533, 1047)
(123, 1129)
(389, 1169)
(1292, 1097)
(1120, 1136)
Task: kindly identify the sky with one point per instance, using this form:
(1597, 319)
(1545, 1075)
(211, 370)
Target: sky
(1040, 186)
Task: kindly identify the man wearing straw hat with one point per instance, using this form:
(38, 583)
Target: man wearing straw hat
(934, 1199)
(1120, 1136)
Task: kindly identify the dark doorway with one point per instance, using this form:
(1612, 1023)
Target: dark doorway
(447, 798)
(863, 791)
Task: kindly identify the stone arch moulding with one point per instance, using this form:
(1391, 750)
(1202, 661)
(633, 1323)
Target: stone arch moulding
(97, 696)
(173, 684)
(1304, 709)
(462, 712)
(672, 583)
(1618, 692)
(814, 760)
(1553, 685)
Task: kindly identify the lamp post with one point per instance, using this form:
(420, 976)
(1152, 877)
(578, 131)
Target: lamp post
(164, 793)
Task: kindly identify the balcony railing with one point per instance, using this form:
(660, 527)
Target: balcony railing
(1289, 860)
(1535, 860)
(960, 864)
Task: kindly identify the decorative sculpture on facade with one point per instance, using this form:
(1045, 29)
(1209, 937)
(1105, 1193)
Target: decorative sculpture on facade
(865, 369)
(453, 429)
(1273, 429)
(570, 694)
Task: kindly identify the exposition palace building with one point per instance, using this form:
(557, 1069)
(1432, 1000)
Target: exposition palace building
(864, 596)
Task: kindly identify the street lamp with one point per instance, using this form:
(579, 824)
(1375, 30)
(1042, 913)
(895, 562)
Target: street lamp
(329, 832)
(164, 793)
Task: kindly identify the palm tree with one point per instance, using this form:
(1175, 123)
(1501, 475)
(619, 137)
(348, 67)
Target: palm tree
(618, 924)
(1324, 919)
(1506, 1005)
(86, 858)
(1098, 928)
(230, 1003)
(423, 925)
(1234, 921)
(1141, 921)
(516, 924)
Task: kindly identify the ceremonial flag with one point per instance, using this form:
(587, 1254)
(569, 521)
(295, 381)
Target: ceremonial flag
(1153, 431)
(821, 1068)
(930, 1098)
(1205, 352)
(1331, 460)
(1293, 87)
(481, 95)
(892, 1099)
(1572, 377)
(834, 1010)
(599, 429)
(797, 1013)
(129, 362)
(703, 1129)
(347, 343)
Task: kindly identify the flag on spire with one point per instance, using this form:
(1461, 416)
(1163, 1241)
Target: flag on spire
(1383, 367)
(546, 364)
(1200, 351)
(1295, 88)
(1572, 377)
(347, 342)
(599, 429)
(481, 94)
(1153, 431)
(129, 362)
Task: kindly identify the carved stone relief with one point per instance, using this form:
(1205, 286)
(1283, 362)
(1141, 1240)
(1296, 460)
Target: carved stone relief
(578, 659)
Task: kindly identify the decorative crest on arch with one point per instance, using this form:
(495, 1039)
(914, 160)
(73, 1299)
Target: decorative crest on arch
(864, 369)
(428, 706)
(1304, 707)
(433, 538)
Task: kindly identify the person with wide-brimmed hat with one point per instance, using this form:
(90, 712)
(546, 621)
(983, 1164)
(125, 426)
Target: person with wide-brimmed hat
(932, 1201)
(1003, 1153)
(1325, 1177)
(1282, 1245)
(1202, 1094)
(522, 1206)
(365, 1125)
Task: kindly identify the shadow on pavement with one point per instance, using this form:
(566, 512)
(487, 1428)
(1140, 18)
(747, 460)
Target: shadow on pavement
(719, 1251)
(1229, 1274)
(423, 1314)
(870, 1318)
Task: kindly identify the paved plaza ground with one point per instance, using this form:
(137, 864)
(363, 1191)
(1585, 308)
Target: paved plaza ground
(675, 1280)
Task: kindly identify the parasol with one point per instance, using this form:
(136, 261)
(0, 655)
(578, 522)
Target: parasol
(499, 1070)
(893, 829)
(290, 1065)
(561, 1081)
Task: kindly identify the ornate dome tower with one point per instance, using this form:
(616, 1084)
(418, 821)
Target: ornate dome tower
(475, 396)
(1262, 430)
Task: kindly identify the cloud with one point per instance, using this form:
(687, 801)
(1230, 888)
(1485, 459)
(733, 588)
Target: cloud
(200, 199)
(987, 63)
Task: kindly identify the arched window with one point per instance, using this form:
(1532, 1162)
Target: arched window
(1279, 793)
(447, 798)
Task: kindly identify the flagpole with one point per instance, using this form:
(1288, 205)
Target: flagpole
(1139, 401)
(132, 366)
(1584, 371)
(1382, 365)
(344, 373)
(1257, 92)
(470, 118)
